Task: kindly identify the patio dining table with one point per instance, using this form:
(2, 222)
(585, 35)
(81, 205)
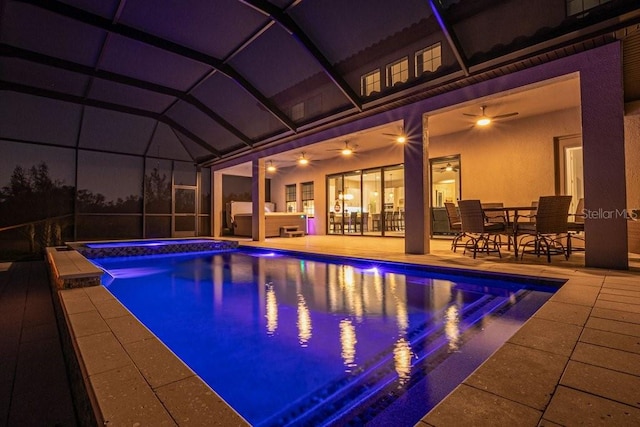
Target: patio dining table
(510, 214)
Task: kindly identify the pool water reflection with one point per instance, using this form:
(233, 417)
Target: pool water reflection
(290, 341)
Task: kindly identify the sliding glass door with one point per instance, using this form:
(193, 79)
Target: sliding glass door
(369, 202)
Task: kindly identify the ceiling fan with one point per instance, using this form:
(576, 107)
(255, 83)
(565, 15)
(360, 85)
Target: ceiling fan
(347, 150)
(483, 119)
(398, 137)
(449, 168)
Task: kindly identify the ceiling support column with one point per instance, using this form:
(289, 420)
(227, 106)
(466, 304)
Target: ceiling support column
(416, 182)
(601, 93)
(257, 200)
(218, 205)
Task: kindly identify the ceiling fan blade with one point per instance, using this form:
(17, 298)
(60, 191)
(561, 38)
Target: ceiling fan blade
(502, 116)
(470, 115)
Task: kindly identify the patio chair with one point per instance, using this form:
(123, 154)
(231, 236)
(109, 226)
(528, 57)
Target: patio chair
(576, 227)
(543, 236)
(454, 225)
(483, 235)
(334, 223)
(499, 216)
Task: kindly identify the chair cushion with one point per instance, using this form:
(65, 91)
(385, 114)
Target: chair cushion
(576, 226)
(529, 227)
(493, 226)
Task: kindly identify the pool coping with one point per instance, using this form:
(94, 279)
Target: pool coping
(117, 355)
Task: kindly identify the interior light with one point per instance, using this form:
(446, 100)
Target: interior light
(483, 121)
(448, 168)
(271, 167)
(401, 139)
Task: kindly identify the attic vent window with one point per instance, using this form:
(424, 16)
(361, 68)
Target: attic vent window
(577, 7)
(370, 83)
(398, 72)
(297, 111)
(428, 59)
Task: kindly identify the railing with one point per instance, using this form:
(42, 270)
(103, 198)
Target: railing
(41, 233)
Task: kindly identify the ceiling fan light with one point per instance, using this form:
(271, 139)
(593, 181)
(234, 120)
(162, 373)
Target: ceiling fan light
(271, 167)
(483, 121)
(347, 151)
(448, 168)
(303, 160)
(401, 139)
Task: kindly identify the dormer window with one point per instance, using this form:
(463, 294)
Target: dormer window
(398, 72)
(429, 59)
(370, 83)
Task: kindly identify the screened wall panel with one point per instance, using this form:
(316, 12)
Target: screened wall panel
(36, 189)
(129, 95)
(50, 33)
(41, 76)
(118, 132)
(205, 191)
(102, 227)
(184, 173)
(157, 227)
(204, 23)
(235, 105)
(157, 186)
(50, 121)
(140, 60)
(166, 144)
(109, 183)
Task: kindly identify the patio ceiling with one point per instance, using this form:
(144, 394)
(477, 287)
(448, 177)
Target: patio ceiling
(203, 80)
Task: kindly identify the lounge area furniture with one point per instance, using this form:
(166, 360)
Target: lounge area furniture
(543, 235)
(243, 225)
(483, 236)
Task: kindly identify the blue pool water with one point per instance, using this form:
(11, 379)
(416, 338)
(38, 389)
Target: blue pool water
(291, 341)
(124, 244)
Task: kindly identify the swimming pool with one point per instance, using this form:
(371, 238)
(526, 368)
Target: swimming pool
(286, 340)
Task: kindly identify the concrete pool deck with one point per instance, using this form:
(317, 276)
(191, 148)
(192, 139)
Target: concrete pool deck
(575, 362)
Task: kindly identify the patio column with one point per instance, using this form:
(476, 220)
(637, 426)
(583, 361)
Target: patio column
(601, 92)
(257, 200)
(416, 182)
(218, 204)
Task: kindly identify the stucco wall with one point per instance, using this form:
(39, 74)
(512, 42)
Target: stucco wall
(632, 159)
(512, 162)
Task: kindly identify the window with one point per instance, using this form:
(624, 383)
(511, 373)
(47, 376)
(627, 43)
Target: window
(290, 198)
(398, 72)
(575, 7)
(307, 198)
(429, 59)
(370, 83)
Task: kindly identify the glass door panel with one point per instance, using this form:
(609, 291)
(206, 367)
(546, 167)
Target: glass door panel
(445, 188)
(335, 204)
(184, 211)
(352, 203)
(372, 202)
(393, 204)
